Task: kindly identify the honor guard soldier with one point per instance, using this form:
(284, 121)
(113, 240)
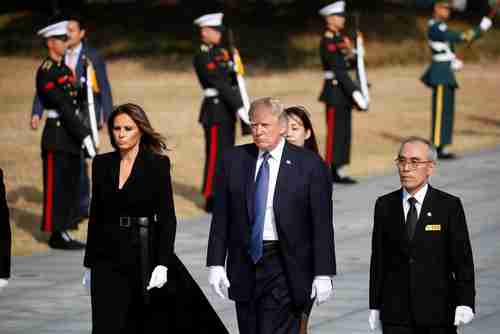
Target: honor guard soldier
(63, 138)
(221, 103)
(339, 92)
(440, 75)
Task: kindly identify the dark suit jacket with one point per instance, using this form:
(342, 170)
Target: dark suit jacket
(146, 193)
(303, 214)
(214, 70)
(338, 90)
(5, 236)
(103, 100)
(421, 280)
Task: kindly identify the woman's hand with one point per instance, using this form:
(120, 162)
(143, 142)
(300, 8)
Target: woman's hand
(158, 277)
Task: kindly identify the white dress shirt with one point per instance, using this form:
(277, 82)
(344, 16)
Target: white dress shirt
(72, 55)
(274, 161)
(419, 196)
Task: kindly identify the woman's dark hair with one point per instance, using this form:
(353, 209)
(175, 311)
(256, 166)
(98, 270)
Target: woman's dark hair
(303, 115)
(150, 139)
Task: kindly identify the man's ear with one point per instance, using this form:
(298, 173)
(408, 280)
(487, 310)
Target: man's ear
(82, 33)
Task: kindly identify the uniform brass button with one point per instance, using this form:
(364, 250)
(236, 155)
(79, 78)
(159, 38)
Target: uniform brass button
(58, 123)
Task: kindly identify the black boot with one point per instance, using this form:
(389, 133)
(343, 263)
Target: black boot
(62, 240)
(443, 154)
(337, 178)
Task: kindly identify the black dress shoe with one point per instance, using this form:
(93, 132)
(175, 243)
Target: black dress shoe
(57, 241)
(336, 178)
(446, 156)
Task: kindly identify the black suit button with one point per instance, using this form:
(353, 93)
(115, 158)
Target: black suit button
(411, 260)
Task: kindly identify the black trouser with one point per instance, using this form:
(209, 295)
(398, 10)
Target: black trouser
(61, 181)
(338, 138)
(218, 138)
(393, 329)
(271, 311)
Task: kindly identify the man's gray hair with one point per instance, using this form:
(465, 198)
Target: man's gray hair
(431, 150)
(273, 104)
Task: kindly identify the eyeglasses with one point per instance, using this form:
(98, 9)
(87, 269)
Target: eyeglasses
(412, 164)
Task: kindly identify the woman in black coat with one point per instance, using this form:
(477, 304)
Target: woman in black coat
(138, 283)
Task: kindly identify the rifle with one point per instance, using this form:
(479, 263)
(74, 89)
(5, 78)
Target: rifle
(89, 79)
(360, 60)
(240, 71)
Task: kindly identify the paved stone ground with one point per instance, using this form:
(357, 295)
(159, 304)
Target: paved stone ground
(45, 295)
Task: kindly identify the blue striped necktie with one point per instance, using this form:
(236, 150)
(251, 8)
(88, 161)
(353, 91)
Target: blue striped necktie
(260, 203)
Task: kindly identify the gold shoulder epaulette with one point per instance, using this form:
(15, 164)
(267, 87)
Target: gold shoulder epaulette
(47, 64)
(328, 34)
(468, 35)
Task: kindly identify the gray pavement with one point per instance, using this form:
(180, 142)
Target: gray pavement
(45, 293)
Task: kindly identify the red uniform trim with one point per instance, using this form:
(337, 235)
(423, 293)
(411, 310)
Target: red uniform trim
(212, 159)
(211, 66)
(48, 86)
(49, 194)
(330, 122)
(332, 47)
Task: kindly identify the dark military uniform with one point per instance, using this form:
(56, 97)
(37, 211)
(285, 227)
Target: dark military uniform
(337, 95)
(5, 234)
(62, 139)
(441, 78)
(218, 111)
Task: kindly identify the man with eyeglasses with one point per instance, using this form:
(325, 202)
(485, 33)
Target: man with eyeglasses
(422, 270)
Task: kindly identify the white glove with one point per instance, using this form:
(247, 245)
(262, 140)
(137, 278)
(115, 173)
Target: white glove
(374, 320)
(322, 289)
(463, 315)
(485, 24)
(89, 146)
(86, 280)
(243, 115)
(3, 283)
(216, 277)
(457, 64)
(360, 100)
(158, 277)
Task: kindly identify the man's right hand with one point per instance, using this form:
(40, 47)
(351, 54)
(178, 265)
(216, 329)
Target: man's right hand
(35, 122)
(374, 319)
(216, 277)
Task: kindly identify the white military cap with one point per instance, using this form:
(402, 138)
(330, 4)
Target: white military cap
(209, 20)
(336, 8)
(55, 29)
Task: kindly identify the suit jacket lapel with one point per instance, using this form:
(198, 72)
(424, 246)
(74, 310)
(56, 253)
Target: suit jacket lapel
(285, 174)
(249, 166)
(424, 211)
(400, 218)
(79, 64)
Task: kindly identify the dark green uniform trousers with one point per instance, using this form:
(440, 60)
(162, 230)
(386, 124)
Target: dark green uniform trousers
(443, 114)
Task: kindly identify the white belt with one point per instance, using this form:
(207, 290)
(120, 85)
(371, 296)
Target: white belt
(210, 92)
(442, 57)
(329, 75)
(52, 113)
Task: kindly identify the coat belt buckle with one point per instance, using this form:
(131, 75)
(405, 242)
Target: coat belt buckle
(124, 221)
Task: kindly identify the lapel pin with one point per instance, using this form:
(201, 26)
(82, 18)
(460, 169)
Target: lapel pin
(288, 162)
(429, 214)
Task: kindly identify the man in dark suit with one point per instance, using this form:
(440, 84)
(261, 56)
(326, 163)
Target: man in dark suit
(79, 55)
(5, 237)
(222, 100)
(272, 228)
(422, 271)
